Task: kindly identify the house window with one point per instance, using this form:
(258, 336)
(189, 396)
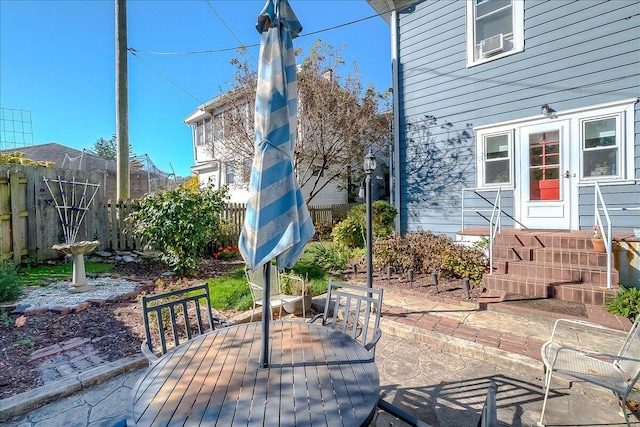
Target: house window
(229, 175)
(544, 165)
(317, 171)
(199, 131)
(247, 164)
(497, 158)
(495, 28)
(601, 147)
(208, 132)
(218, 127)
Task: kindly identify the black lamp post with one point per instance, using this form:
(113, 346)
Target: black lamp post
(369, 166)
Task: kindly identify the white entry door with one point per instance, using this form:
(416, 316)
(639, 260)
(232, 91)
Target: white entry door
(547, 176)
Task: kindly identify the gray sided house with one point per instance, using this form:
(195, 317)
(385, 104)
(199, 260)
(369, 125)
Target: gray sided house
(537, 97)
(523, 109)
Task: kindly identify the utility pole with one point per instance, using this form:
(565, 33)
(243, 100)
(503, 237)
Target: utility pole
(122, 104)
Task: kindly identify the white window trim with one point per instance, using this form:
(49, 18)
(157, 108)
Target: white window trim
(625, 109)
(518, 34)
(480, 156)
(626, 148)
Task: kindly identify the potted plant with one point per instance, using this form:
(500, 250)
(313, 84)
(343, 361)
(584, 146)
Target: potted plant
(603, 168)
(596, 239)
(295, 286)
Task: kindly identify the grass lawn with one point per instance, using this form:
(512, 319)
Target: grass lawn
(232, 291)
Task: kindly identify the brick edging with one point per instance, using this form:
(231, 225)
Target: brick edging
(22, 403)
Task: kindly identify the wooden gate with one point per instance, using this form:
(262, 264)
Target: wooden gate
(13, 216)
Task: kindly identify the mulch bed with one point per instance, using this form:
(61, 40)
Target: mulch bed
(121, 323)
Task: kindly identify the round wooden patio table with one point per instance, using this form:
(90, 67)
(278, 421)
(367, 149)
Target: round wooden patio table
(316, 376)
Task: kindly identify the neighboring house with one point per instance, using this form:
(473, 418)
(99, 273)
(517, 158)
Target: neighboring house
(213, 166)
(144, 179)
(537, 97)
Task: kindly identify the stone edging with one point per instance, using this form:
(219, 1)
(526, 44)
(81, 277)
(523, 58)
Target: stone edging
(143, 286)
(22, 403)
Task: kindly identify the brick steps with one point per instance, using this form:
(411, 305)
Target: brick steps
(549, 264)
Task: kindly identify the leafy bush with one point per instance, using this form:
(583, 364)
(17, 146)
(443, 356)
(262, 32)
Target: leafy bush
(463, 261)
(427, 253)
(10, 287)
(351, 231)
(179, 223)
(332, 257)
(625, 303)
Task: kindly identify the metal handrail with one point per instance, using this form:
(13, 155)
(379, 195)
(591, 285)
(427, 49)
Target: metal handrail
(606, 235)
(495, 221)
(497, 207)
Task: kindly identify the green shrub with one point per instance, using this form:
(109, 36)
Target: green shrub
(625, 303)
(331, 257)
(351, 231)
(463, 261)
(427, 253)
(180, 223)
(10, 287)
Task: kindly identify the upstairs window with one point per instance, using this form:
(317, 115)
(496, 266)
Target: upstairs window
(199, 134)
(230, 176)
(495, 28)
(208, 131)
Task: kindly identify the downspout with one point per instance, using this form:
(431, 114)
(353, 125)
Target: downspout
(395, 85)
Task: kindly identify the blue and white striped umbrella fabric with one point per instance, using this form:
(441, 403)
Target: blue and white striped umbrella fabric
(277, 221)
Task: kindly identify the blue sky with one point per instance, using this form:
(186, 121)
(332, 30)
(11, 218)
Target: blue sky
(57, 59)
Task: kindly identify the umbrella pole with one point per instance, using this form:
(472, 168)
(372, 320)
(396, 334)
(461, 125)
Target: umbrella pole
(266, 314)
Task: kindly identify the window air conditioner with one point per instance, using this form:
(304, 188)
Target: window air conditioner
(492, 45)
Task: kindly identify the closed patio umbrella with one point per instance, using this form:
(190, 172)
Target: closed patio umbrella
(277, 222)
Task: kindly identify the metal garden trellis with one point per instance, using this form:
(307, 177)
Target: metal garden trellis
(72, 204)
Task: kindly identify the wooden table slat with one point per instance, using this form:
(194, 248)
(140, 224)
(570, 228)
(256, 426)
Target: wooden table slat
(316, 376)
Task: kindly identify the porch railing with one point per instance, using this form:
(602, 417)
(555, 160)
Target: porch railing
(495, 219)
(600, 205)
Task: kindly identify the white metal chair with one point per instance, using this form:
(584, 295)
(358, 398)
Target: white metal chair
(277, 298)
(350, 309)
(617, 372)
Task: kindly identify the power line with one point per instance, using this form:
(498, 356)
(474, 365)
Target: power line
(243, 46)
(230, 30)
(133, 52)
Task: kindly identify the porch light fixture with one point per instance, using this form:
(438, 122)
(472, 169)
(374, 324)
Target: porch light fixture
(369, 166)
(548, 111)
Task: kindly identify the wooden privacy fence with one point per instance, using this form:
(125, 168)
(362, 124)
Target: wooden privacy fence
(30, 225)
(120, 229)
(29, 221)
(327, 215)
(13, 216)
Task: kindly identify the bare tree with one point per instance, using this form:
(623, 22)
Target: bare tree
(337, 120)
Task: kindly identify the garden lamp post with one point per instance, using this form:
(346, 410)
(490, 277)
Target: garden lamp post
(369, 166)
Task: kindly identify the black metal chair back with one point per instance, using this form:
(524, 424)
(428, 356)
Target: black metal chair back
(176, 304)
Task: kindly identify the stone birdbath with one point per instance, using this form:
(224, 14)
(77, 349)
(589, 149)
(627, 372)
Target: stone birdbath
(78, 249)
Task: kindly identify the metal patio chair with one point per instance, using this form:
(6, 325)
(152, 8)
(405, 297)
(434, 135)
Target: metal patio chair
(350, 309)
(617, 372)
(173, 308)
(488, 415)
(277, 298)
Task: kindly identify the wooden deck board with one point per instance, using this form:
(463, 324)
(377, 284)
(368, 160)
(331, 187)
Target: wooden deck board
(316, 376)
